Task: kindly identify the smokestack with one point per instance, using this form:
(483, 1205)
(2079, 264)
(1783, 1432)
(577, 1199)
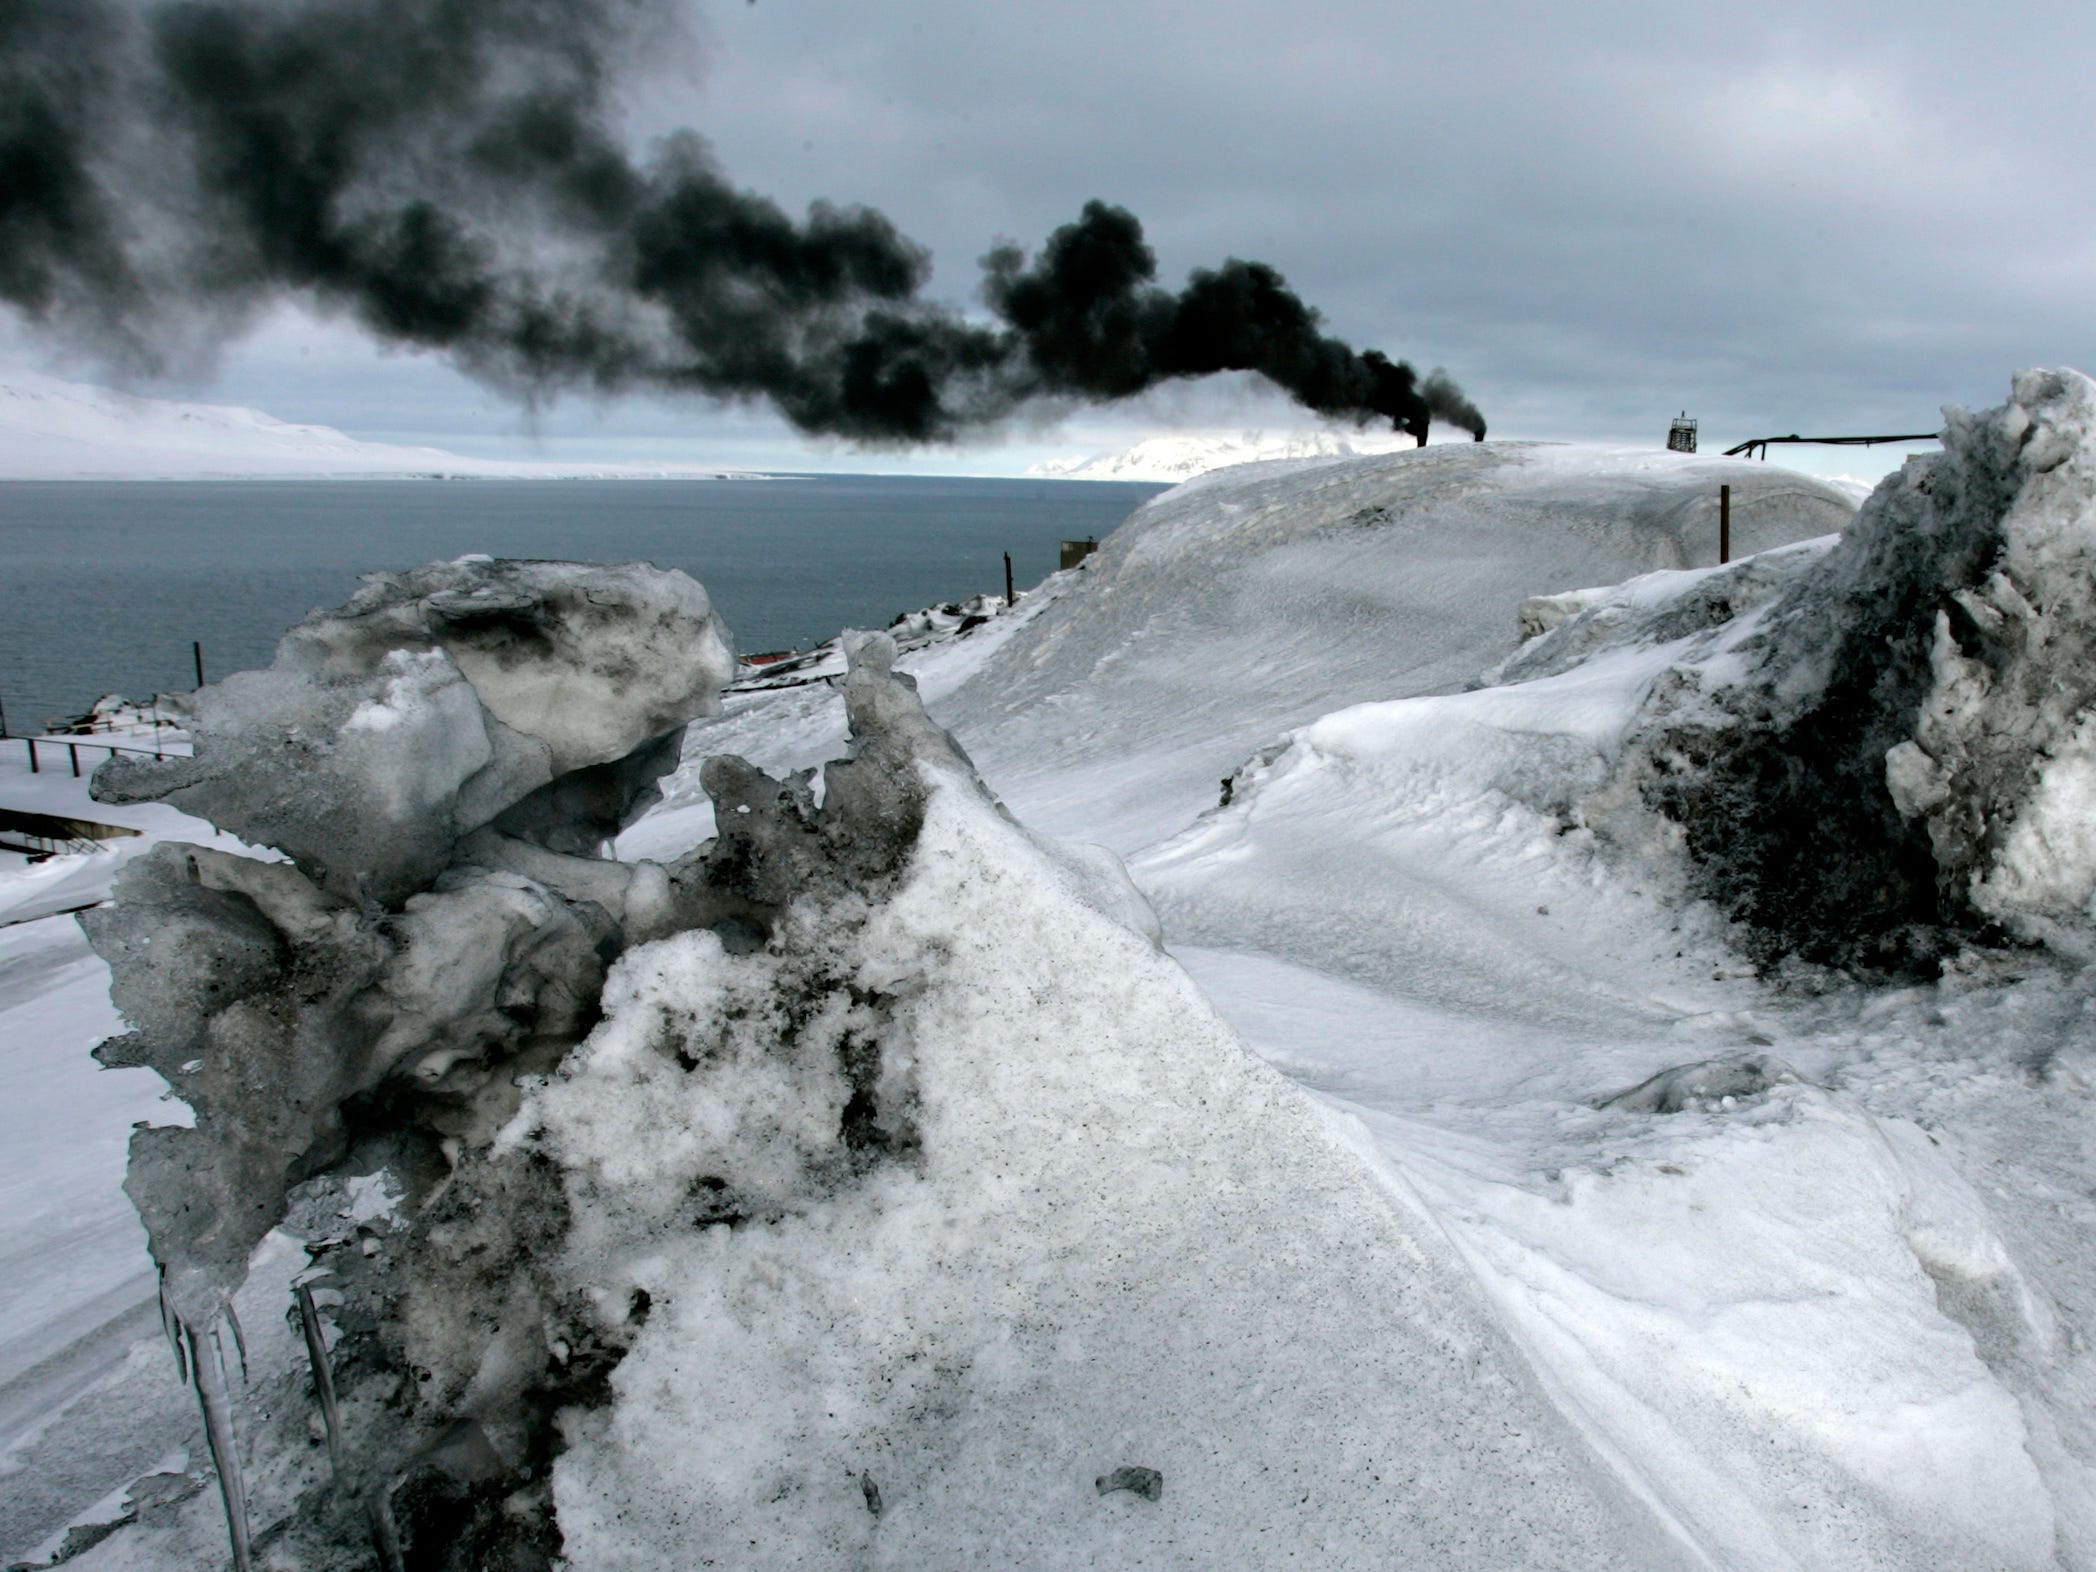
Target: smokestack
(444, 173)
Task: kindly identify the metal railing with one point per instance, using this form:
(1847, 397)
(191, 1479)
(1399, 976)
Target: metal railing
(73, 745)
(39, 847)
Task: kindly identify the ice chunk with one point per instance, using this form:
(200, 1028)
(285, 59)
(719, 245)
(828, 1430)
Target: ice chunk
(548, 694)
(1702, 1085)
(268, 1005)
(1137, 1481)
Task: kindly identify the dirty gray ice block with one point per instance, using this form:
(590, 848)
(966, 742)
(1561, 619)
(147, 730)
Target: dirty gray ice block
(436, 701)
(1903, 765)
(1690, 1086)
(275, 1010)
(472, 1327)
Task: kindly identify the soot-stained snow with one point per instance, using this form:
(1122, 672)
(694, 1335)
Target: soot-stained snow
(1896, 752)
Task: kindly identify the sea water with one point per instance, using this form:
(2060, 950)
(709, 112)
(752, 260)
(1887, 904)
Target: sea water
(105, 586)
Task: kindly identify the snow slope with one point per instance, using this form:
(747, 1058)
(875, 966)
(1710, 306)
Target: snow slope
(56, 430)
(1111, 706)
(1105, 1260)
(1744, 1300)
(1256, 598)
(1831, 1312)
(1836, 1322)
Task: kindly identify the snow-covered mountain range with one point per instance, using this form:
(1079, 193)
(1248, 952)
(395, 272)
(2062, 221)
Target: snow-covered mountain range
(53, 429)
(1187, 454)
(57, 430)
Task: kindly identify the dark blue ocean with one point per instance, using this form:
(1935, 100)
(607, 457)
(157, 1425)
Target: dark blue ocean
(104, 585)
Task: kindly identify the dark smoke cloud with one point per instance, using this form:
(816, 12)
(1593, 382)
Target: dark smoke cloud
(1094, 324)
(62, 242)
(444, 172)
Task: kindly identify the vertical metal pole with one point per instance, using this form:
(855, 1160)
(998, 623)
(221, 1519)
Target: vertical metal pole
(1724, 524)
(3, 719)
(73, 748)
(1010, 598)
(197, 650)
(33, 770)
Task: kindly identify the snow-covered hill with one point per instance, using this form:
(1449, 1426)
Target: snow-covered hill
(1183, 456)
(56, 430)
(1818, 1288)
(1561, 1225)
(1259, 597)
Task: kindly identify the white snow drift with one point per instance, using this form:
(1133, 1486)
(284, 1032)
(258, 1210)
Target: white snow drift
(924, 1214)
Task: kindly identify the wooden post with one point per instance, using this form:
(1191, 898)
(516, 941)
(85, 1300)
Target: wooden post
(197, 650)
(33, 769)
(1724, 524)
(73, 748)
(1010, 598)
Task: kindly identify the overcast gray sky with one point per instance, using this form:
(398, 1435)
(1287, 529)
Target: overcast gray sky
(1827, 217)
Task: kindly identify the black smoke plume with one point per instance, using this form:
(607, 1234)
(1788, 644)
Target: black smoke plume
(444, 172)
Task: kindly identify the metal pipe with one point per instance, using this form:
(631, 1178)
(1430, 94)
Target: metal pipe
(385, 1533)
(1833, 442)
(1724, 525)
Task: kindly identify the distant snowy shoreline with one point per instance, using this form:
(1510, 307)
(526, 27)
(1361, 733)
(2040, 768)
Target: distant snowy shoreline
(399, 477)
(54, 430)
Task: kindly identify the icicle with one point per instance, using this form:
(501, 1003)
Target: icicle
(323, 1377)
(239, 1339)
(385, 1535)
(378, 1510)
(172, 1326)
(210, 1381)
